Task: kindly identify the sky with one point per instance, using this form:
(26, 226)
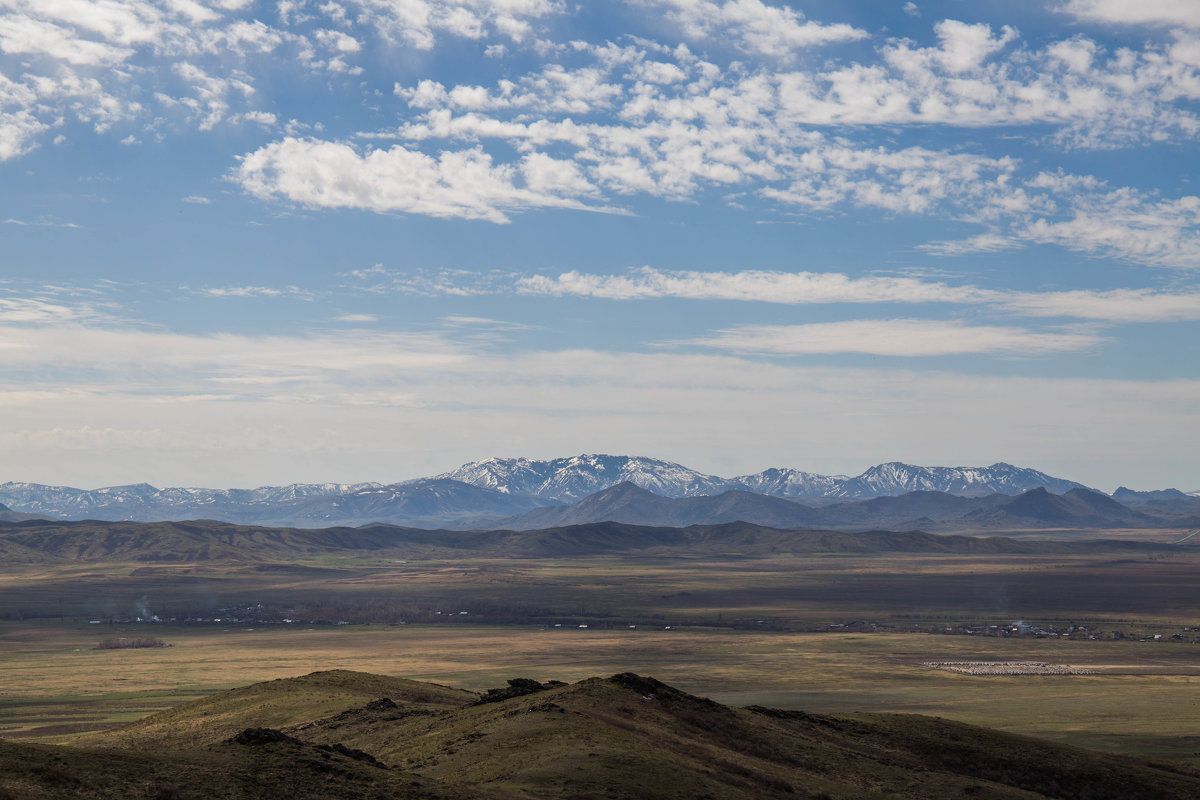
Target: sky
(258, 242)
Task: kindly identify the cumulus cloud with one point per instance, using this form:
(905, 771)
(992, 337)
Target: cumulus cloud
(18, 131)
(465, 184)
(978, 76)
(417, 23)
(92, 60)
(785, 135)
(80, 59)
(1125, 224)
(755, 26)
(1148, 12)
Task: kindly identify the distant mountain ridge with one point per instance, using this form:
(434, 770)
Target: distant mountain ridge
(570, 479)
(1035, 509)
(480, 493)
(427, 500)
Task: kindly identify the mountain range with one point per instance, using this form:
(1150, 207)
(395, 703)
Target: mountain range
(527, 493)
(570, 479)
(924, 510)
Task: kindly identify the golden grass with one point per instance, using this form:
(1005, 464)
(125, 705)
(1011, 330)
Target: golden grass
(53, 681)
(51, 677)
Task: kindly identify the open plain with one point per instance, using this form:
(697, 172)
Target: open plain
(823, 632)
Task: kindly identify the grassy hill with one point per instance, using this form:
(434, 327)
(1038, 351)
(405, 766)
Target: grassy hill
(622, 737)
(282, 703)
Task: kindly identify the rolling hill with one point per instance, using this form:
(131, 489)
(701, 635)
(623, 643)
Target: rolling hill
(626, 737)
(219, 543)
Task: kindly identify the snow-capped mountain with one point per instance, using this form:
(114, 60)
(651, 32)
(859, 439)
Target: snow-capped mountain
(895, 478)
(568, 479)
(141, 501)
(789, 483)
(485, 491)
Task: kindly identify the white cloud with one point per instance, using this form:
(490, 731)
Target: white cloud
(462, 184)
(339, 41)
(251, 410)
(1116, 305)
(896, 337)
(27, 36)
(794, 288)
(18, 131)
(417, 23)
(755, 26)
(428, 283)
(978, 77)
(41, 222)
(133, 357)
(259, 291)
(611, 130)
(89, 60)
(1142, 12)
(26, 310)
(92, 60)
(751, 285)
(1126, 224)
(982, 243)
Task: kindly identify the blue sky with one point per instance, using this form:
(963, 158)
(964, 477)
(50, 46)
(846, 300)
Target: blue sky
(248, 242)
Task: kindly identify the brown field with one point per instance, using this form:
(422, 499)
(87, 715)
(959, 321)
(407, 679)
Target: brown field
(1143, 699)
(794, 592)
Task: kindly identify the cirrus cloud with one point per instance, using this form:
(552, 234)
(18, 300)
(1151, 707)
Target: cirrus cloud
(896, 337)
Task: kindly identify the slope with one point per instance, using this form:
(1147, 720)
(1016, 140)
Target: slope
(1036, 508)
(624, 737)
(277, 704)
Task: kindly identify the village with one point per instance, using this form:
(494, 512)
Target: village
(1188, 634)
(260, 614)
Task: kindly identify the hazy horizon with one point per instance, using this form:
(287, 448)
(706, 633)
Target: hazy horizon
(849, 475)
(251, 243)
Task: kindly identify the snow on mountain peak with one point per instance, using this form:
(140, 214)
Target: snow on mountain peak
(525, 481)
(574, 477)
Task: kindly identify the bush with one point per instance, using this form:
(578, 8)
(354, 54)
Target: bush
(131, 643)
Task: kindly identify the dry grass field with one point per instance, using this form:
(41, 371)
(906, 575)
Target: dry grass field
(746, 630)
(1144, 699)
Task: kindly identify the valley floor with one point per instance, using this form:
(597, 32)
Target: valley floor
(1142, 698)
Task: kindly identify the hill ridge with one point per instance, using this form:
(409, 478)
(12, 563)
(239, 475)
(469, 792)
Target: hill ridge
(625, 736)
